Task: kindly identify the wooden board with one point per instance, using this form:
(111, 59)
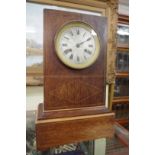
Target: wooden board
(70, 112)
(53, 132)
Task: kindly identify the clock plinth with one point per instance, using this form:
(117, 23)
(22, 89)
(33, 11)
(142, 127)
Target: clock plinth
(57, 128)
(74, 87)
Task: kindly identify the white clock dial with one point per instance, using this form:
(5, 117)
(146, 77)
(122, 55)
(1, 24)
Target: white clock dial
(77, 45)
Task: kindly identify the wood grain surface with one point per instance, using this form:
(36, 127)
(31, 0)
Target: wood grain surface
(65, 87)
(61, 131)
(70, 112)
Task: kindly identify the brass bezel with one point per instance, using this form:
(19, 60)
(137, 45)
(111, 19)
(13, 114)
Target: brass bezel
(59, 52)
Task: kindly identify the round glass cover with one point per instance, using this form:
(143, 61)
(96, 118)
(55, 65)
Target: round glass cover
(77, 45)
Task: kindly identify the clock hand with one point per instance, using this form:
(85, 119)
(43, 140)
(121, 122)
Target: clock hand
(78, 45)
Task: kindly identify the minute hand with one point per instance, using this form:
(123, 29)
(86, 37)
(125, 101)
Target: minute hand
(78, 45)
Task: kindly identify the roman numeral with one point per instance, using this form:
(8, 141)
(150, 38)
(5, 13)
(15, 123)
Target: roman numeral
(71, 56)
(77, 31)
(67, 51)
(84, 34)
(90, 45)
(78, 59)
(66, 37)
(64, 44)
(87, 51)
(71, 33)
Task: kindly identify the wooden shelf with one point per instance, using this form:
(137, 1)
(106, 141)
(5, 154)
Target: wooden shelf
(122, 100)
(119, 100)
(120, 97)
(122, 74)
(122, 49)
(123, 19)
(122, 121)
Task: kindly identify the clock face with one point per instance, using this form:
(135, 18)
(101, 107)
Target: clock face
(77, 45)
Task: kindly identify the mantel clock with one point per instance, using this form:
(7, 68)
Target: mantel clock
(75, 47)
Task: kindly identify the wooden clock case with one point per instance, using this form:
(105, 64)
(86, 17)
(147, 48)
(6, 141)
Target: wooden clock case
(74, 100)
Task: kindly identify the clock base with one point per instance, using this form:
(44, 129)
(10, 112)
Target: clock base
(51, 132)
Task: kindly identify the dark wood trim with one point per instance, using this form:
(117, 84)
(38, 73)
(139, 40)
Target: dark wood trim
(122, 121)
(123, 19)
(121, 97)
(122, 49)
(63, 113)
(123, 100)
(122, 74)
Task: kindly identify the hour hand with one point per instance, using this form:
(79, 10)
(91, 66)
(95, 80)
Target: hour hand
(78, 45)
